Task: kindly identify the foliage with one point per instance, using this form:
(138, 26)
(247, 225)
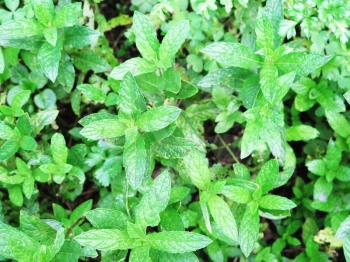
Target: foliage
(163, 130)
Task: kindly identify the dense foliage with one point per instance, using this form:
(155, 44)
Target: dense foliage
(174, 130)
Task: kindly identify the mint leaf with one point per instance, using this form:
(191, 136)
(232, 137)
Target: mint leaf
(275, 202)
(104, 129)
(223, 216)
(158, 118)
(105, 239)
(154, 201)
(135, 158)
(232, 54)
(177, 241)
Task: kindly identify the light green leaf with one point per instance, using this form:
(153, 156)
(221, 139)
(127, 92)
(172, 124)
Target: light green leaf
(223, 217)
(2, 62)
(67, 15)
(301, 63)
(172, 42)
(12, 4)
(89, 60)
(79, 36)
(16, 245)
(232, 54)
(44, 11)
(268, 176)
(146, 37)
(195, 166)
(132, 101)
(249, 229)
(140, 254)
(136, 66)
(301, 133)
(58, 148)
(172, 147)
(135, 158)
(103, 129)
(268, 82)
(49, 59)
(158, 118)
(154, 201)
(19, 29)
(104, 218)
(105, 239)
(50, 35)
(339, 123)
(177, 241)
(8, 149)
(92, 92)
(275, 202)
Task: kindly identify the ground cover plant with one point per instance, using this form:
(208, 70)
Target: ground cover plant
(174, 130)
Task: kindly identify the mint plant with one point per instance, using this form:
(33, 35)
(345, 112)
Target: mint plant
(197, 130)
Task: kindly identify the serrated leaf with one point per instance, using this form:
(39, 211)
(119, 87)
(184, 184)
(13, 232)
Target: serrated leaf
(158, 118)
(146, 37)
(275, 202)
(249, 229)
(58, 148)
(232, 54)
(104, 129)
(49, 59)
(223, 217)
(177, 241)
(154, 201)
(135, 158)
(105, 239)
(172, 42)
(136, 66)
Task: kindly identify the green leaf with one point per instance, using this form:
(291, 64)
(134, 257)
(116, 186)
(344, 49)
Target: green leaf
(172, 42)
(67, 15)
(15, 195)
(8, 149)
(93, 93)
(135, 158)
(104, 129)
(268, 82)
(140, 254)
(177, 241)
(223, 217)
(322, 189)
(154, 201)
(16, 245)
(44, 11)
(195, 166)
(136, 66)
(158, 118)
(12, 4)
(265, 35)
(58, 148)
(6, 132)
(49, 59)
(2, 62)
(268, 177)
(89, 60)
(105, 239)
(131, 102)
(50, 35)
(249, 229)
(232, 54)
(344, 229)
(104, 218)
(79, 36)
(301, 133)
(301, 63)
(19, 29)
(275, 202)
(317, 167)
(237, 194)
(146, 37)
(339, 123)
(172, 147)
